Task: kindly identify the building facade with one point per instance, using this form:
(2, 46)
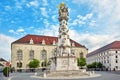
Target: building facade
(108, 55)
(3, 62)
(38, 47)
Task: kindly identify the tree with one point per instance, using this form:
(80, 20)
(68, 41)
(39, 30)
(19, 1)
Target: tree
(89, 66)
(6, 71)
(34, 63)
(81, 62)
(100, 65)
(96, 65)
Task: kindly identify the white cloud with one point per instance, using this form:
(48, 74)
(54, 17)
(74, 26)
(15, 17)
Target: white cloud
(107, 13)
(45, 3)
(54, 18)
(18, 4)
(34, 3)
(31, 27)
(7, 7)
(105, 18)
(93, 41)
(51, 31)
(45, 21)
(86, 17)
(20, 30)
(12, 21)
(12, 31)
(44, 12)
(92, 23)
(81, 20)
(5, 49)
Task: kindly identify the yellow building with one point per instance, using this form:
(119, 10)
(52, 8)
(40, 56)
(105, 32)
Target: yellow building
(38, 47)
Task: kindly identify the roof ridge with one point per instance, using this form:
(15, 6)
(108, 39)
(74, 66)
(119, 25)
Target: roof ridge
(38, 38)
(41, 35)
(108, 46)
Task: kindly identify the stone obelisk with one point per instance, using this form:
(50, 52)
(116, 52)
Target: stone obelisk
(64, 57)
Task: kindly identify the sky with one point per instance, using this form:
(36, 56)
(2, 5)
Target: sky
(93, 23)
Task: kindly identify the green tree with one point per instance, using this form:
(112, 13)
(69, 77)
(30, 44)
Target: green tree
(81, 62)
(34, 63)
(6, 71)
(100, 65)
(94, 64)
(89, 66)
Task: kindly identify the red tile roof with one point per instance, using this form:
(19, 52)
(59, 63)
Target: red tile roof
(37, 39)
(1, 59)
(113, 45)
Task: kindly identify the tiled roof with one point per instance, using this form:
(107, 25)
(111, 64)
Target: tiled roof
(113, 45)
(1, 64)
(1, 59)
(37, 39)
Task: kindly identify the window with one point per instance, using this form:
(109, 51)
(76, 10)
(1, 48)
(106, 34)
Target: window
(104, 61)
(44, 55)
(19, 55)
(116, 56)
(19, 64)
(81, 55)
(116, 67)
(116, 61)
(31, 55)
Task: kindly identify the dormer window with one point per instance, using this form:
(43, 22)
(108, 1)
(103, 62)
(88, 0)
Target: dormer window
(43, 41)
(73, 44)
(53, 42)
(31, 41)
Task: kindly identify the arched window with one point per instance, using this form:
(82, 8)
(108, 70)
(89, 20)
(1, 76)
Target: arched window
(31, 54)
(19, 64)
(81, 55)
(19, 55)
(44, 55)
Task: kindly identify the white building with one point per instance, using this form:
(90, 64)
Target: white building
(108, 55)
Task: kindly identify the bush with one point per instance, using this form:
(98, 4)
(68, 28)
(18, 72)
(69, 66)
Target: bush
(81, 62)
(34, 63)
(6, 71)
(96, 66)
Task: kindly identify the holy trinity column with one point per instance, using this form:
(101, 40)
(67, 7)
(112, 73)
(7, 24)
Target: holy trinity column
(64, 45)
(64, 58)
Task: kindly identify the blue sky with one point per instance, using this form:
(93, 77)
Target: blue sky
(93, 23)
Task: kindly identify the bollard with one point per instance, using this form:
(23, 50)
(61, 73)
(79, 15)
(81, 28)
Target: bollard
(44, 75)
(35, 73)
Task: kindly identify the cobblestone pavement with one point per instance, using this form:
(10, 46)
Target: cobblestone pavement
(27, 76)
(2, 77)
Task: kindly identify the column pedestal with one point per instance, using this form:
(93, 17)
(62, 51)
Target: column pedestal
(64, 63)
